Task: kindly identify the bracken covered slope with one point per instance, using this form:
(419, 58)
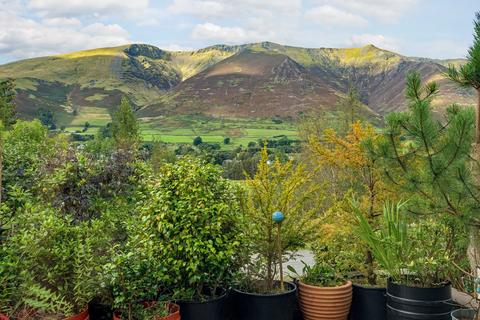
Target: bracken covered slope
(253, 80)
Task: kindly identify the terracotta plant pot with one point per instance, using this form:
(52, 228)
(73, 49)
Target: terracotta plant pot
(3, 317)
(82, 316)
(325, 303)
(173, 309)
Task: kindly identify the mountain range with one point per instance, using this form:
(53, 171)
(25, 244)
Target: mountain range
(257, 80)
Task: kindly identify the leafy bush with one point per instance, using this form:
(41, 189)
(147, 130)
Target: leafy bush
(62, 260)
(80, 183)
(190, 228)
(26, 149)
(282, 187)
(320, 274)
(197, 141)
(345, 167)
(412, 252)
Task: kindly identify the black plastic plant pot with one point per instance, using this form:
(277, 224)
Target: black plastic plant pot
(99, 311)
(405, 302)
(213, 309)
(464, 314)
(278, 306)
(368, 303)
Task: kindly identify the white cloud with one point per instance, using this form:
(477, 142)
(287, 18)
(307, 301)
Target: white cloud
(331, 16)
(23, 37)
(440, 49)
(175, 47)
(198, 7)
(279, 6)
(248, 20)
(78, 8)
(148, 22)
(229, 8)
(62, 22)
(378, 40)
(210, 31)
(384, 10)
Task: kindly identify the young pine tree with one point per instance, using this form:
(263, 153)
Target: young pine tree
(431, 160)
(284, 187)
(468, 75)
(125, 128)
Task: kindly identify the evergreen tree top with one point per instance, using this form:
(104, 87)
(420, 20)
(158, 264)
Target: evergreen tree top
(468, 75)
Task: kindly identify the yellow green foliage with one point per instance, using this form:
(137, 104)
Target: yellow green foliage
(112, 51)
(284, 187)
(345, 166)
(191, 63)
(365, 55)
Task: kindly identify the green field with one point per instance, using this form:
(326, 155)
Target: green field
(183, 129)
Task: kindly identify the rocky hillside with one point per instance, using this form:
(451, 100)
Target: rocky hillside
(249, 84)
(254, 80)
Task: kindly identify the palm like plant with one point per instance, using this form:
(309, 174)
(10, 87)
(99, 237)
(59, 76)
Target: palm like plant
(390, 244)
(468, 75)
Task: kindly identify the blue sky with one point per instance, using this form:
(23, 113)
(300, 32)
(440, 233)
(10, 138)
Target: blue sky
(426, 28)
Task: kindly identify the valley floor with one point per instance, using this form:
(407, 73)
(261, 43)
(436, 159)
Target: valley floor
(183, 129)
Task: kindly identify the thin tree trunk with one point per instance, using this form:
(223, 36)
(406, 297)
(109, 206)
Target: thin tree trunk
(269, 284)
(477, 136)
(474, 248)
(372, 277)
(474, 243)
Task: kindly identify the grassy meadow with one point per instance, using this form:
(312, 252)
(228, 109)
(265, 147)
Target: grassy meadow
(183, 129)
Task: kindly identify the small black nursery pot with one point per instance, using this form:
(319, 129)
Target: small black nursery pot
(215, 308)
(99, 311)
(368, 303)
(278, 306)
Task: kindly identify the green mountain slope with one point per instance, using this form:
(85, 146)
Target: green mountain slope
(92, 78)
(252, 80)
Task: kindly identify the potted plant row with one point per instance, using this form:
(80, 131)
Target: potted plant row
(416, 262)
(277, 203)
(173, 251)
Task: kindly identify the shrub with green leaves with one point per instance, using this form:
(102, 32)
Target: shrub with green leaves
(321, 274)
(190, 220)
(53, 265)
(27, 147)
(412, 251)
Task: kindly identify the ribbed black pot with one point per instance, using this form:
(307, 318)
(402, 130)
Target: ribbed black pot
(368, 303)
(407, 303)
(253, 306)
(213, 309)
(464, 314)
(99, 311)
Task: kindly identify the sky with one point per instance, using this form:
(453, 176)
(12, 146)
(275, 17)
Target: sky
(423, 28)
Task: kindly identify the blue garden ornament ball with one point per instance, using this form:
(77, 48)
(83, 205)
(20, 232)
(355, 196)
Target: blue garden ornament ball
(278, 217)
